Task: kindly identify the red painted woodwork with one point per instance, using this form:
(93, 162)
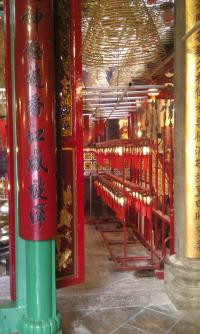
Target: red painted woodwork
(98, 130)
(3, 132)
(131, 125)
(101, 127)
(34, 65)
(86, 123)
(75, 143)
(11, 197)
(166, 95)
(86, 129)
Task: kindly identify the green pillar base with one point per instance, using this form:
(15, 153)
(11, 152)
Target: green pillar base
(10, 317)
(49, 326)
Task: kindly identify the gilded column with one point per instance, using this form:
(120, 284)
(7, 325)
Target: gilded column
(183, 269)
(192, 132)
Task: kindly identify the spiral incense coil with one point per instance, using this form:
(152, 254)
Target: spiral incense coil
(162, 12)
(119, 33)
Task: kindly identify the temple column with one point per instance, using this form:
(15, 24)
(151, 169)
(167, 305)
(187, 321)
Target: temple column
(35, 121)
(30, 79)
(182, 270)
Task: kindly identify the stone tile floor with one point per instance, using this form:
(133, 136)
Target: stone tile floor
(113, 302)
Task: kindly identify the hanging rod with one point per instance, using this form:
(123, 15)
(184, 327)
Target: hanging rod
(125, 87)
(191, 31)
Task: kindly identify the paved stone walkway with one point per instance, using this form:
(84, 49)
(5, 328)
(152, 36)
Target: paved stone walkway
(112, 302)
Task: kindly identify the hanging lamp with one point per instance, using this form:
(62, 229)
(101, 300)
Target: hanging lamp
(167, 12)
(151, 2)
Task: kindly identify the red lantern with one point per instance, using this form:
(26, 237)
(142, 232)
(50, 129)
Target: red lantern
(86, 129)
(93, 134)
(86, 123)
(132, 119)
(168, 15)
(146, 163)
(143, 210)
(87, 137)
(3, 133)
(151, 2)
(96, 130)
(101, 127)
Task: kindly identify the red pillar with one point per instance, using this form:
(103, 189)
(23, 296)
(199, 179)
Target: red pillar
(69, 80)
(34, 75)
(129, 128)
(86, 129)
(131, 125)
(11, 193)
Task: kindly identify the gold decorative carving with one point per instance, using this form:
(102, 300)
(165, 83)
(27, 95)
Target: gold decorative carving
(64, 66)
(68, 195)
(64, 258)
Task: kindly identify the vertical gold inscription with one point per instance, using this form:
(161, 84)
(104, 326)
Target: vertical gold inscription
(192, 136)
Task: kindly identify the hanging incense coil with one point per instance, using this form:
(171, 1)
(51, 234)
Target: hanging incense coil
(158, 13)
(124, 74)
(119, 33)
